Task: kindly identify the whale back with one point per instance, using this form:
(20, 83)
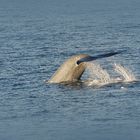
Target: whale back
(69, 71)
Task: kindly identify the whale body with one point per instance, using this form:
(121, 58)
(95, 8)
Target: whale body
(73, 68)
(69, 71)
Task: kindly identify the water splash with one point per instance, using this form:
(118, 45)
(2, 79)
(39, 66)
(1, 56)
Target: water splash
(127, 75)
(100, 76)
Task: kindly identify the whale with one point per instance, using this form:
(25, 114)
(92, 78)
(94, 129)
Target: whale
(73, 68)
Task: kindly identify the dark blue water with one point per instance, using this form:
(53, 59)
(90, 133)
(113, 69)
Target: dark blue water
(36, 36)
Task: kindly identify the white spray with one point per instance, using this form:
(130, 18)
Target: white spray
(101, 77)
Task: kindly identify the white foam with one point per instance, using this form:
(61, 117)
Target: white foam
(127, 75)
(100, 76)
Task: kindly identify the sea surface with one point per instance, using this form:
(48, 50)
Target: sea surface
(36, 37)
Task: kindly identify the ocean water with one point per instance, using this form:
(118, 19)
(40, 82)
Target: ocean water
(36, 36)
